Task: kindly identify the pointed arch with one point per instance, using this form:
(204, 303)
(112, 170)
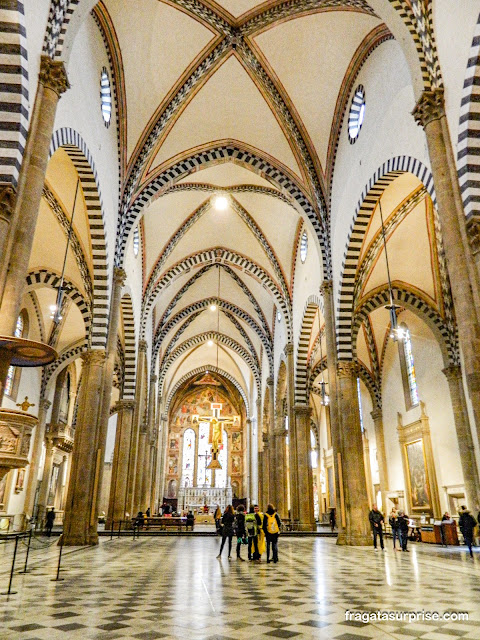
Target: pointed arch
(14, 104)
(128, 320)
(387, 173)
(301, 373)
(80, 155)
(204, 369)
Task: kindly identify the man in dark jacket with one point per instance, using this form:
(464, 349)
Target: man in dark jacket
(467, 524)
(403, 529)
(376, 521)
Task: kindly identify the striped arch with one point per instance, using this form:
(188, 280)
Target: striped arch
(200, 305)
(81, 157)
(381, 179)
(67, 356)
(373, 387)
(201, 338)
(317, 369)
(468, 159)
(237, 153)
(14, 91)
(220, 255)
(414, 303)
(130, 350)
(58, 19)
(43, 278)
(198, 371)
(301, 373)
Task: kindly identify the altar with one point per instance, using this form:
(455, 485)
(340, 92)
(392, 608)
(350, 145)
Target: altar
(196, 498)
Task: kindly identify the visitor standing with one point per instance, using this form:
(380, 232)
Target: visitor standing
(218, 517)
(240, 530)
(467, 524)
(50, 519)
(445, 520)
(333, 522)
(393, 521)
(252, 526)
(271, 527)
(227, 530)
(403, 529)
(377, 521)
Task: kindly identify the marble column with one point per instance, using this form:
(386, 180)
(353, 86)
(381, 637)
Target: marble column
(271, 497)
(45, 483)
(149, 477)
(137, 443)
(280, 468)
(466, 448)
(250, 460)
(118, 281)
(292, 433)
(264, 472)
(117, 505)
(326, 291)
(80, 524)
(377, 418)
(304, 468)
(7, 208)
(52, 83)
(34, 466)
(368, 469)
(357, 528)
(429, 112)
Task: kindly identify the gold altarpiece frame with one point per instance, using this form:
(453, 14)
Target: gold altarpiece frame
(419, 466)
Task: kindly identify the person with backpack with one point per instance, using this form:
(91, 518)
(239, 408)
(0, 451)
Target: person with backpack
(240, 530)
(252, 526)
(228, 519)
(271, 526)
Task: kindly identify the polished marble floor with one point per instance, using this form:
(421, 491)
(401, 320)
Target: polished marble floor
(175, 588)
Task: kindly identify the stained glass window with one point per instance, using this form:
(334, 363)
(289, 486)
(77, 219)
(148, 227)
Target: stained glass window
(314, 452)
(410, 366)
(105, 97)
(204, 475)
(188, 458)
(303, 247)
(11, 370)
(136, 241)
(221, 474)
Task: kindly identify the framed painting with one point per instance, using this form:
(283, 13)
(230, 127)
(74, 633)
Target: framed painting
(417, 476)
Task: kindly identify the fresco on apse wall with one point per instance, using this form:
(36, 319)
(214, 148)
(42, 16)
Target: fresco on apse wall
(188, 415)
(417, 476)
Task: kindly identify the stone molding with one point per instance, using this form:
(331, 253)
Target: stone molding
(376, 413)
(326, 288)
(94, 356)
(124, 405)
(430, 107)
(143, 346)
(452, 372)
(53, 75)
(473, 233)
(8, 197)
(288, 349)
(270, 381)
(119, 277)
(302, 410)
(347, 369)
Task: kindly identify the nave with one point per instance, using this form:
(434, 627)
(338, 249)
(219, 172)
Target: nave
(175, 588)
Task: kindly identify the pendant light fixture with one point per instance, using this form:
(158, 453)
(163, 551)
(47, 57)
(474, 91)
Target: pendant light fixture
(56, 309)
(396, 332)
(325, 399)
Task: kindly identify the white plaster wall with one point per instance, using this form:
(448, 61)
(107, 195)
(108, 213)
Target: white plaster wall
(454, 40)
(434, 392)
(36, 16)
(79, 108)
(279, 342)
(388, 130)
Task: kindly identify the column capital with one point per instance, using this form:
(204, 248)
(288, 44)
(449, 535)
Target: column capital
(53, 75)
(94, 356)
(270, 381)
(153, 378)
(124, 404)
(376, 413)
(44, 404)
(119, 277)
(142, 346)
(473, 233)
(430, 106)
(288, 349)
(249, 420)
(326, 287)
(302, 410)
(346, 369)
(265, 439)
(452, 372)
(8, 197)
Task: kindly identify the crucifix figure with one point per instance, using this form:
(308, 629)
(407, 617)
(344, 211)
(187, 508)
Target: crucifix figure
(215, 435)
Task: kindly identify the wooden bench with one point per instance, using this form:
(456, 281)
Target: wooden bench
(162, 523)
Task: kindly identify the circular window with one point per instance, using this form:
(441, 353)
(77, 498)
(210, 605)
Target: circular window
(303, 247)
(136, 242)
(106, 97)
(357, 114)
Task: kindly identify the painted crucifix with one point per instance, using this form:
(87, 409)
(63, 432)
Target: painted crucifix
(215, 435)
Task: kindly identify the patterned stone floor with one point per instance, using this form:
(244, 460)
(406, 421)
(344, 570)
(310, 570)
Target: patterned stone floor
(175, 588)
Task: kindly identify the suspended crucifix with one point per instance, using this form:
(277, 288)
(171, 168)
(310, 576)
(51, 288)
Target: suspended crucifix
(215, 434)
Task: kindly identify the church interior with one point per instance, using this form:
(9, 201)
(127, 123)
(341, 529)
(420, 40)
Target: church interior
(239, 264)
